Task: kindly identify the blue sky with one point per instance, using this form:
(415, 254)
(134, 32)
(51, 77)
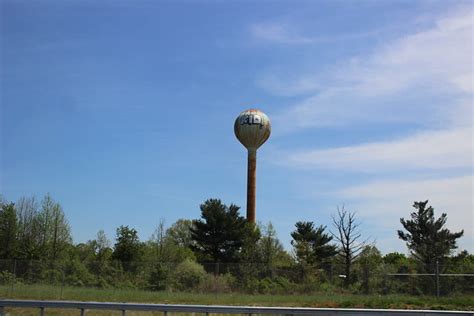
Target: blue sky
(124, 110)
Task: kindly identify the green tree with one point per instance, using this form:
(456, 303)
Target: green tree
(272, 252)
(102, 246)
(165, 247)
(8, 231)
(180, 233)
(370, 269)
(220, 233)
(29, 230)
(99, 253)
(248, 264)
(128, 248)
(394, 258)
(426, 238)
(61, 235)
(311, 244)
(55, 233)
(462, 263)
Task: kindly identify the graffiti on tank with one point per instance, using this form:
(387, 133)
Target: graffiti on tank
(251, 119)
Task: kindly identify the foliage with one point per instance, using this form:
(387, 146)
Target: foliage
(8, 231)
(188, 275)
(158, 280)
(37, 248)
(164, 246)
(219, 234)
(426, 238)
(311, 245)
(273, 255)
(127, 248)
(322, 299)
(29, 230)
(370, 265)
(180, 233)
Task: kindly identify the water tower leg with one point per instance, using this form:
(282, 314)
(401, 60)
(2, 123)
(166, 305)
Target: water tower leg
(251, 184)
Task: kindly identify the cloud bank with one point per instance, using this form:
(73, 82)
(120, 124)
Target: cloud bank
(425, 79)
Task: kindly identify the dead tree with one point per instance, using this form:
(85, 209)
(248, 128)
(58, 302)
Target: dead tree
(348, 236)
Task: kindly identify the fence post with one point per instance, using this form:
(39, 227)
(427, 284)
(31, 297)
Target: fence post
(366, 279)
(14, 276)
(216, 275)
(437, 278)
(330, 273)
(62, 283)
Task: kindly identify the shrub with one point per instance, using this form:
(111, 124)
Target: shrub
(188, 276)
(6, 278)
(158, 280)
(223, 283)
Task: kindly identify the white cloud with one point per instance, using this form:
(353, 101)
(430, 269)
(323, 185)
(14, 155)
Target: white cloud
(279, 33)
(427, 150)
(442, 54)
(285, 33)
(429, 63)
(383, 203)
(424, 78)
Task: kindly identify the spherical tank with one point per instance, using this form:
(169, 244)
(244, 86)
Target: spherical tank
(252, 128)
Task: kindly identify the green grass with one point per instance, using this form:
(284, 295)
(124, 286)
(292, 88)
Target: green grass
(48, 292)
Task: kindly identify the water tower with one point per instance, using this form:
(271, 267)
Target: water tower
(252, 128)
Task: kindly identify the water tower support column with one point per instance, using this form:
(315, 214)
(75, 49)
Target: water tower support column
(251, 184)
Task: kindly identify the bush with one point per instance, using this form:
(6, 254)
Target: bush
(188, 276)
(223, 283)
(158, 280)
(6, 278)
(268, 285)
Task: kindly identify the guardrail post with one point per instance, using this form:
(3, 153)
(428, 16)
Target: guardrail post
(83, 311)
(123, 312)
(41, 311)
(2, 311)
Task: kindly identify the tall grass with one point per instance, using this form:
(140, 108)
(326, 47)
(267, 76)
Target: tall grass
(49, 292)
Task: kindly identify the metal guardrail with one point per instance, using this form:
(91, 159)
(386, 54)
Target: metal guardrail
(82, 307)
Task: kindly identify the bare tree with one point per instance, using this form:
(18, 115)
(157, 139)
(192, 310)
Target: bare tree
(157, 239)
(349, 237)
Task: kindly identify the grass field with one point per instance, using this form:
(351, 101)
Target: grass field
(48, 292)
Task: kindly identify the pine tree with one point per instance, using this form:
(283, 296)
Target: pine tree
(220, 233)
(312, 243)
(426, 238)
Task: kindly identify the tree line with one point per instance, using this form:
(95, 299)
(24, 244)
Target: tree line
(222, 250)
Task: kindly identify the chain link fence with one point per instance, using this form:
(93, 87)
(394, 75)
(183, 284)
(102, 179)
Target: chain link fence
(253, 278)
